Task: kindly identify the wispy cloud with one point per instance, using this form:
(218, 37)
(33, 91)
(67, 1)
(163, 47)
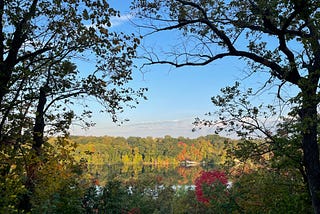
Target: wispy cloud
(174, 128)
(117, 21)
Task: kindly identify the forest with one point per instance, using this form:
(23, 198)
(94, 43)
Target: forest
(62, 61)
(150, 151)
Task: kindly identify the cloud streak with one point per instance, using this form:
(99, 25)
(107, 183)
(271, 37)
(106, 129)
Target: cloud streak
(117, 21)
(174, 128)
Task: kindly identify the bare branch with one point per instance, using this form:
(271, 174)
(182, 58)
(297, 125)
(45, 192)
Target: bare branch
(179, 25)
(279, 90)
(177, 64)
(210, 24)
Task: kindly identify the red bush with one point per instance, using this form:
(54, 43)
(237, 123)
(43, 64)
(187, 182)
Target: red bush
(209, 180)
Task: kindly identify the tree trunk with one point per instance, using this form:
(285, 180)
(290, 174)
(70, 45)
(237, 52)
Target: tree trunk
(5, 75)
(38, 129)
(38, 134)
(308, 115)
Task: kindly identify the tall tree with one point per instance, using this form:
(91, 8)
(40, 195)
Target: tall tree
(40, 41)
(280, 37)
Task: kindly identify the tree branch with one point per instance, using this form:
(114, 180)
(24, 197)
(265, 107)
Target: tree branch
(64, 96)
(33, 54)
(291, 76)
(179, 25)
(197, 6)
(19, 36)
(267, 31)
(276, 68)
(288, 21)
(177, 65)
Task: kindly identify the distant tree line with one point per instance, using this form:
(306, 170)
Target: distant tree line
(137, 150)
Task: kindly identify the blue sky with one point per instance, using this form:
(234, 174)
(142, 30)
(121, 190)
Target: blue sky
(175, 96)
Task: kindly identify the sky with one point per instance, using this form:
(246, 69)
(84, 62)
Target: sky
(175, 96)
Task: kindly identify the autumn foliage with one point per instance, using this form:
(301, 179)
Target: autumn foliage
(208, 183)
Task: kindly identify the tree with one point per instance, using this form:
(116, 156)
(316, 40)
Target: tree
(280, 37)
(40, 42)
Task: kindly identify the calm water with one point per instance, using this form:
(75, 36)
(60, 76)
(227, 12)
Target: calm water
(167, 175)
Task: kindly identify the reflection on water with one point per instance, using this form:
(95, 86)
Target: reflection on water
(167, 175)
